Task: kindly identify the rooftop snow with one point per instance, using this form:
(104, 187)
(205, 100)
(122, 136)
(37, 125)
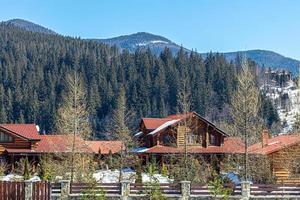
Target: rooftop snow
(163, 126)
(138, 150)
(138, 134)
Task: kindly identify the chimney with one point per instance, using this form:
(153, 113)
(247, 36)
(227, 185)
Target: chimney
(265, 138)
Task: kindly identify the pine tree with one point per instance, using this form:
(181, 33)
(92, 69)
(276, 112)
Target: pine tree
(26, 172)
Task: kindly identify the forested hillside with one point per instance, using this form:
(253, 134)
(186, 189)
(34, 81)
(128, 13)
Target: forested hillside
(33, 67)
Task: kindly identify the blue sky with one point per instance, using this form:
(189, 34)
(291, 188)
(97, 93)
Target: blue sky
(204, 25)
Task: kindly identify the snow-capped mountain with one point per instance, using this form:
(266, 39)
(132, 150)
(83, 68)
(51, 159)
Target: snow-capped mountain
(142, 40)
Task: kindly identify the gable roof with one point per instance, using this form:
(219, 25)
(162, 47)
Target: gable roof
(275, 144)
(26, 131)
(55, 144)
(59, 143)
(105, 146)
(156, 125)
(153, 123)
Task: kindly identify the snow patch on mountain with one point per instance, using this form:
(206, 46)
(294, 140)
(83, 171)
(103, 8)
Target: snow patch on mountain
(287, 102)
(152, 42)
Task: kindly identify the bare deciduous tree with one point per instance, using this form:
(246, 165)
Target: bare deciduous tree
(245, 106)
(118, 127)
(73, 118)
(184, 101)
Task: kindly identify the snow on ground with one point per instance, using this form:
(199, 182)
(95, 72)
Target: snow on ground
(158, 177)
(14, 177)
(109, 176)
(103, 176)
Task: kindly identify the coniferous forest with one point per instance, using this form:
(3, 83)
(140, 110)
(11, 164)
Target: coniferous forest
(33, 68)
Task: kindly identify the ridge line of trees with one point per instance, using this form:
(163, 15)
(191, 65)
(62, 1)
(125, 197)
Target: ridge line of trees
(33, 68)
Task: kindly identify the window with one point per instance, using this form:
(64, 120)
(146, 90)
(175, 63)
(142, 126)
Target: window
(5, 138)
(296, 167)
(168, 139)
(212, 139)
(191, 138)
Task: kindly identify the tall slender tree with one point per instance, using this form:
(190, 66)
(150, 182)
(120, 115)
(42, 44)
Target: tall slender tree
(73, 118)
(119, 128)
(184, 101)
(245, 107)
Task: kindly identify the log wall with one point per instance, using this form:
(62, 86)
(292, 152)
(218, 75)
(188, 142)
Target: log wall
(285, 164)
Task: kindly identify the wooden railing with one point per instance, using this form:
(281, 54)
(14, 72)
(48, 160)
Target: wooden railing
(165, 188)
(275, 190)
(107, 188)
(55, 188)
(180, 189)
(205, 190)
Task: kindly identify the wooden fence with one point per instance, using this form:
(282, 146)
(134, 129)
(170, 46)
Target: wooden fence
(165, 188)
(175, 189)
(205, 190)
(43, 190)
(274, 190)
(107, 188)
(10, 190)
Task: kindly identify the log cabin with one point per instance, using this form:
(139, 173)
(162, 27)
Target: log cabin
(24, 140)
(284, 154)
(160, 137)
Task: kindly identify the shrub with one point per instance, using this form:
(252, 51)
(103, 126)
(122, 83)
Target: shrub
(164, 171)
(26, 172)
(3, 168)
(46, 170)
(216, 187)
(139, 178)
(92, 194)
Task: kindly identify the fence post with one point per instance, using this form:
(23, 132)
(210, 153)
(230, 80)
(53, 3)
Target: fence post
(65, 189)
(125, 189)
(185, 189)
(28, 189)
(245, 187)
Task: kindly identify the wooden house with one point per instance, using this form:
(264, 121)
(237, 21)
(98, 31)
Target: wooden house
(176, 133)
(23, 140)
(284, 154)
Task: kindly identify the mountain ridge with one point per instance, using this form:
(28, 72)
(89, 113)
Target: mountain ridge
(29, 26)
(141, 40)
(157, 43)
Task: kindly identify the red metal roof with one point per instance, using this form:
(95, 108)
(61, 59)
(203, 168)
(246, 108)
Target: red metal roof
(55, 144)
(275, 144)
(231, 145)
(105, 146)
(62, 144)
(27, 131)
(154, 123)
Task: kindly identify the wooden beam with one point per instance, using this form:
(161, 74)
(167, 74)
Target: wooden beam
(207, 136)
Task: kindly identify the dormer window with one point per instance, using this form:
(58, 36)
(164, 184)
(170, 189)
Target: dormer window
(5, 138)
